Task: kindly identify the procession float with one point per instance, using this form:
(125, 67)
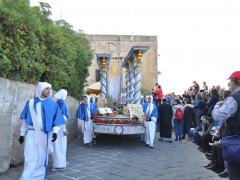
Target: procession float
(119, 108)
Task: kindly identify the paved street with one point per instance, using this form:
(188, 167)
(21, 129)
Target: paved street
(123, 158)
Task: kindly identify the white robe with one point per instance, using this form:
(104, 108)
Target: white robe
(87, 129)
(60, 145)
(60, 148)
(150, 127)
(35, 157)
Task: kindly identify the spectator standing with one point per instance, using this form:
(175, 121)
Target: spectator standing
(159, 94)
(198, 106)
(188, 119)
(165, 121)
(178, 111)
(228, 112)
(212, 101)
(196, 87)
(154, 94)
(205, 87)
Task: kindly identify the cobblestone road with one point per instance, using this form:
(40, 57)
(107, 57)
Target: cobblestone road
(126, 158)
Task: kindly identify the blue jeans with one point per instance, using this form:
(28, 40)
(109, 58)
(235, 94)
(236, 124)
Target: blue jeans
(178, 129)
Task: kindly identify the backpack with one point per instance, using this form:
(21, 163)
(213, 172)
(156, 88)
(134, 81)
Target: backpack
(179, 114)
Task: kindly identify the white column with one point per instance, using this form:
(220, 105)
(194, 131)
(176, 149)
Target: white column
(103, 82)
(127, 83)
(137, 84)
(131, 86)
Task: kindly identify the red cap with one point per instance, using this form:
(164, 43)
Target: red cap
(235, 75)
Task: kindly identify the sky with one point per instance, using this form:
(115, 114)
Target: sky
(197, 39)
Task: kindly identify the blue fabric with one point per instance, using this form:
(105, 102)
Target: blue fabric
(93, 108)
(63, 107)
(144, 106)
(217, 123)
(178, 129)
(199, 107)
(154, 112)
(51, 114)
(82, 112)
(170, 99)
(231, 149)
(211, 104)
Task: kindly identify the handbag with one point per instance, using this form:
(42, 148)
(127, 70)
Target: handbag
(231, 148)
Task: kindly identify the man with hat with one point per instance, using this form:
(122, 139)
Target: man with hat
(228, 112)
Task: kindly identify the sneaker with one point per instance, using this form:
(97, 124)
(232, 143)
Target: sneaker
(151, 146)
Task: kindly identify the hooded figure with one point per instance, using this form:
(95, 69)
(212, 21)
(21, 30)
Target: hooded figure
(165, 121)
(60, 145)
(93, 106)
(152, 115)
(84, 115)
(41, 118)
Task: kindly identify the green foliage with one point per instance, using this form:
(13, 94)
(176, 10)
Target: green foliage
(34, 48)
(145, 92)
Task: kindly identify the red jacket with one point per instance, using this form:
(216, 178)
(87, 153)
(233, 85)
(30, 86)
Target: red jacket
(159, 93)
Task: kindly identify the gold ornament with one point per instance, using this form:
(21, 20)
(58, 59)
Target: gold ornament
(104, 64)
(138, 56)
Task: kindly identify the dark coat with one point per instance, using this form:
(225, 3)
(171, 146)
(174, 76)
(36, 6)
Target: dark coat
(165, 120)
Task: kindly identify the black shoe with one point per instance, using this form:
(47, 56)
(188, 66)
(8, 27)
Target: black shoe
(170, 141)
(209, 165)
(224, 174)
(213, 168)
(209, 158)
(208, 154)
(218, 171)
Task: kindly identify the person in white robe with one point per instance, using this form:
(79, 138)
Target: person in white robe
(41, 119)
(152, 115)
(60, 145)
(84, 115)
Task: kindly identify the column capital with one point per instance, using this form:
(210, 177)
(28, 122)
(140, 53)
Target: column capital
(138, 56)
(103, 61)
(136, 53)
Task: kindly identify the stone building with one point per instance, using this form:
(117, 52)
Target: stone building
(118, 46)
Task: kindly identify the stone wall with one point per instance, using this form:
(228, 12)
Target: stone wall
(13, 96)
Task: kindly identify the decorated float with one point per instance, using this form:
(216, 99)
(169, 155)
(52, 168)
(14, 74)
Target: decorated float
(120, 92)
(120, 124)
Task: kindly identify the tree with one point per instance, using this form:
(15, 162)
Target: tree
(34, 48)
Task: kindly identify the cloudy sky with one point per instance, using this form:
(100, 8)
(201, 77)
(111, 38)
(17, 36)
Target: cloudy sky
(198, 40)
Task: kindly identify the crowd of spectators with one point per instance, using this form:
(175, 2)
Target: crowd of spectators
(193, 121)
